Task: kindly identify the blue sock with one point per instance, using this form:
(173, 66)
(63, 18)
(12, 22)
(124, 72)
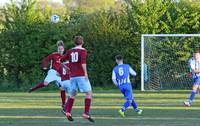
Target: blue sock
(192, 96)
(125, 106)
(134, 104)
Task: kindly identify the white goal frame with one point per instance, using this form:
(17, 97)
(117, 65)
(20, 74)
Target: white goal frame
(156, 35)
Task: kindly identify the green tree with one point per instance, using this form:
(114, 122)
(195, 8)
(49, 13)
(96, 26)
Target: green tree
(27, 36)
(106, 33)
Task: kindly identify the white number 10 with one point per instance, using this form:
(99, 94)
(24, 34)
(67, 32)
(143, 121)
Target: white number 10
(74, 56)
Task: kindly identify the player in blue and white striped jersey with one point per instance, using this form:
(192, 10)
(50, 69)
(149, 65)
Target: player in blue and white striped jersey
(120, 77)
(194, 64)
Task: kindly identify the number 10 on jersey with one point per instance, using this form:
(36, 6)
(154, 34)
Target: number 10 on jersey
(74, 57)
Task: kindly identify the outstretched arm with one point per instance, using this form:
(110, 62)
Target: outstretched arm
(63, 65)
(45, 62)
(195, 71)
(132, 72)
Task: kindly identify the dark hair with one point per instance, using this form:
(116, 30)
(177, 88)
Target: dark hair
(196, 51)
(78, 40)
(119, 57)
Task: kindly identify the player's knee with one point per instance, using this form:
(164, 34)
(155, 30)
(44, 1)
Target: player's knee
(72, 96)
(88, 95)
(194, 90)
(62, 89)
(73, 93)
(46, 83)
(129, 101)
(195, 87)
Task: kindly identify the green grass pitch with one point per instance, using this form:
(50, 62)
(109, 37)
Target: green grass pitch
(164, 108)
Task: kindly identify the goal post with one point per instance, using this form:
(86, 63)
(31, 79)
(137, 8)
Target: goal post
(164, 60)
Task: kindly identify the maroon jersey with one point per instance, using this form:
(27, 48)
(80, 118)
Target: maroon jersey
(76, 57)
(64, 74)
(55, 61)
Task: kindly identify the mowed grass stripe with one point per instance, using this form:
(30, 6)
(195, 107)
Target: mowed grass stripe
(98, 117)
(43, 109)
(149, 100)
(103, 107)
(99, 101)
(118, 94)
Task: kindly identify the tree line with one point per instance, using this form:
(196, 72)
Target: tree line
(27, 35)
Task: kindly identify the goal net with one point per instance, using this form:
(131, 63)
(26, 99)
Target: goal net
(164, 60)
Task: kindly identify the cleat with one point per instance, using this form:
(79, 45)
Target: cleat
(63, 111)
(139, 112)
(30, 90)
(187, 104)
(69, 116)
(88, 117)
(121, 113)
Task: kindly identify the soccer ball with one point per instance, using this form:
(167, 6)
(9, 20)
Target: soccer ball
(55, 18)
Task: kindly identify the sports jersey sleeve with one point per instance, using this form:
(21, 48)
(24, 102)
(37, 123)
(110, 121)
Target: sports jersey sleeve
(46, 60)
(132, 72)
(65, 57)
(191, 64)
(83, 57)
(114, 78)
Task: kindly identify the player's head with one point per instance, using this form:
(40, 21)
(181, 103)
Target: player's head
(60, 43)
(119, 59)
(78, 40)
(197, 54)
(60, 46)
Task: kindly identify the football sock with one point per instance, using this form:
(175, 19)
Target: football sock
(125, 106)
(69, 105)
(63, 96)
(134, 104)
(66, 103)
(39, 85)
(192, 96)
(87, 105)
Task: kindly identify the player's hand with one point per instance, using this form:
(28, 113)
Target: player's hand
(86, 77)
(57, 74)
(190, 74)
(117, 86)
(44, 68)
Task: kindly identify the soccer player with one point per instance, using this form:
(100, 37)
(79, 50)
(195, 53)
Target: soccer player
(53, 72)
(194, 64)
(120, 77)
(65, 83)
(79, 77)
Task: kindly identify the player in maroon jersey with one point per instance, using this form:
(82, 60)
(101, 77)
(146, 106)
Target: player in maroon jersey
(53, 72)
(65, 81)
(79, 77)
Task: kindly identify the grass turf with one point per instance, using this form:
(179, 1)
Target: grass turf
(160, 108)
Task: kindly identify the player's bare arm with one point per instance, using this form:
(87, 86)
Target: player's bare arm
(195, 71)
(85, 70)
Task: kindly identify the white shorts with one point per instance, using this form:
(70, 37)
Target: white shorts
(66, 85)
(52, 76)
(81, 83)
